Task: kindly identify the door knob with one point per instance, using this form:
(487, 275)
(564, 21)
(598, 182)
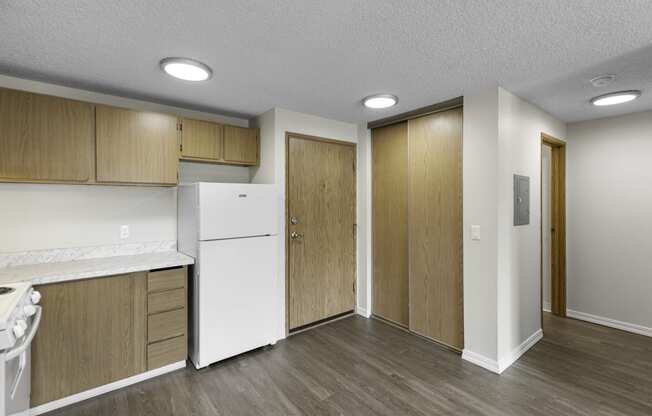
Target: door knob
(296, 236)
(294, 220)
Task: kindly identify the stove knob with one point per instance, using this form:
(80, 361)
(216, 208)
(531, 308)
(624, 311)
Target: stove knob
(35, 297)
(29, 310)
(19, 328)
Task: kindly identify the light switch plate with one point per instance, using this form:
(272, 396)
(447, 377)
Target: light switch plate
(124, 231)
(475, 232)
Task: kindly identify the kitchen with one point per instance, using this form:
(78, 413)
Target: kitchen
(139, 290)
(254, 208)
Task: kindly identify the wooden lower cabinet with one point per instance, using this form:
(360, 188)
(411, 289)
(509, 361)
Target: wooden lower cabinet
(97, 331)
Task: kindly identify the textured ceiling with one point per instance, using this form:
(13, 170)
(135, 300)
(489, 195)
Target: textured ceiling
(322, 57)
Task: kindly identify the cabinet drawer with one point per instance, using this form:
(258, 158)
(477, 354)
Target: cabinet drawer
(166, 301)
(166, 325)
(166, 280)
(166, 352)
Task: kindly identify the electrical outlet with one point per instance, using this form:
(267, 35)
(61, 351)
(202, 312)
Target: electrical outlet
(124, 232)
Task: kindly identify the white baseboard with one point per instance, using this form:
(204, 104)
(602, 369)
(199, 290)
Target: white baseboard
(362, 311)
(546, 306)
(481, 360)
(84, 395)
(505, 362)
(612, 323)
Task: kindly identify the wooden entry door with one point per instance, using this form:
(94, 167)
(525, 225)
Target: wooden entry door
(321, 201)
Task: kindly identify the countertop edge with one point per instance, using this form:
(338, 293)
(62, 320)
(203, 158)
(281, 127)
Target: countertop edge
(68, 277)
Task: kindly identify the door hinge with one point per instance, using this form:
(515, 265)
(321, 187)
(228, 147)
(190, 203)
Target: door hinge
(181, 147)
(353, 287)
(180, 126)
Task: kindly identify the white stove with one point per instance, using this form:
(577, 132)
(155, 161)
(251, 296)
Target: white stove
(19, 320)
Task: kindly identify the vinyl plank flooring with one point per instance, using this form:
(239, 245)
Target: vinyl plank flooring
(357, 366)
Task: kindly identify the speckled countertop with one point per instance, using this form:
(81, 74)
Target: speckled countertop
(83, 267)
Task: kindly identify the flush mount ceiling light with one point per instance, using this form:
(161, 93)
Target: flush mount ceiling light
(379, 101)
(614, 98)
(186, 69)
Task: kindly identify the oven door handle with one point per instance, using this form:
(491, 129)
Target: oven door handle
(11, 354)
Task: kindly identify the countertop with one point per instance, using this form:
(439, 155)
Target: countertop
(63, 271)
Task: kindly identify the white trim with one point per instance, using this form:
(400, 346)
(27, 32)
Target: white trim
(546, 306)
(611, 323)
(362, 311)
(505, 362)
(84, 395)
(481, 360)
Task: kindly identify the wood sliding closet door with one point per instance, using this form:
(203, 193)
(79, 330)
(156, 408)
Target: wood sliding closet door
(390, 215)
(435, 226)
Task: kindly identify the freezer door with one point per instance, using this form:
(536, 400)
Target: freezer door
(237, 309)
(237, 210)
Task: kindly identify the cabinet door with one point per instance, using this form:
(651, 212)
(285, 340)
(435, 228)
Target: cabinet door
(201, 140)
(241, 145)
(45, 138)
(435, 226)
(390, 219)
(136, 147)
(92, 332)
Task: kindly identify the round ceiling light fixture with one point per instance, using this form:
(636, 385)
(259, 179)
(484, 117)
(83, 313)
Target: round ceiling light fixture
(614, 98)
(186, 69)
(380, 101)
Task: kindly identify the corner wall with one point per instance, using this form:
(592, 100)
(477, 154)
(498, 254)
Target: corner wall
(502, 308)
(519, 247)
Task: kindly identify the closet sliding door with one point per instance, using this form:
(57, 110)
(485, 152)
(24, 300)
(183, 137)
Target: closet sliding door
(390, 232)
(435, 226)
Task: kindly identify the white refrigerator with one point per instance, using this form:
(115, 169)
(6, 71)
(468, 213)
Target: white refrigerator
(231, 230)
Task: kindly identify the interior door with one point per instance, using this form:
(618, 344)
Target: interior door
(321, 229)
(390, 219)
(435, 229)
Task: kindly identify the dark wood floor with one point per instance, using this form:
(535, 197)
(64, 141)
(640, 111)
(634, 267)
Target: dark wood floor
(357, 366)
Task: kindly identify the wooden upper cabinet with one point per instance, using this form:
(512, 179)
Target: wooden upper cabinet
(45, 138)
(136, 147)
(201, 140)
(241, 145)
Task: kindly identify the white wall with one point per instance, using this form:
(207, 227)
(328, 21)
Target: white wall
(36, 217)
(519, 247)
(502, 137)
(273, 125)
(609, 222)
(480, 196)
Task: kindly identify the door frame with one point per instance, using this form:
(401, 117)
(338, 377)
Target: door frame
(558, 225)
(286, 229)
